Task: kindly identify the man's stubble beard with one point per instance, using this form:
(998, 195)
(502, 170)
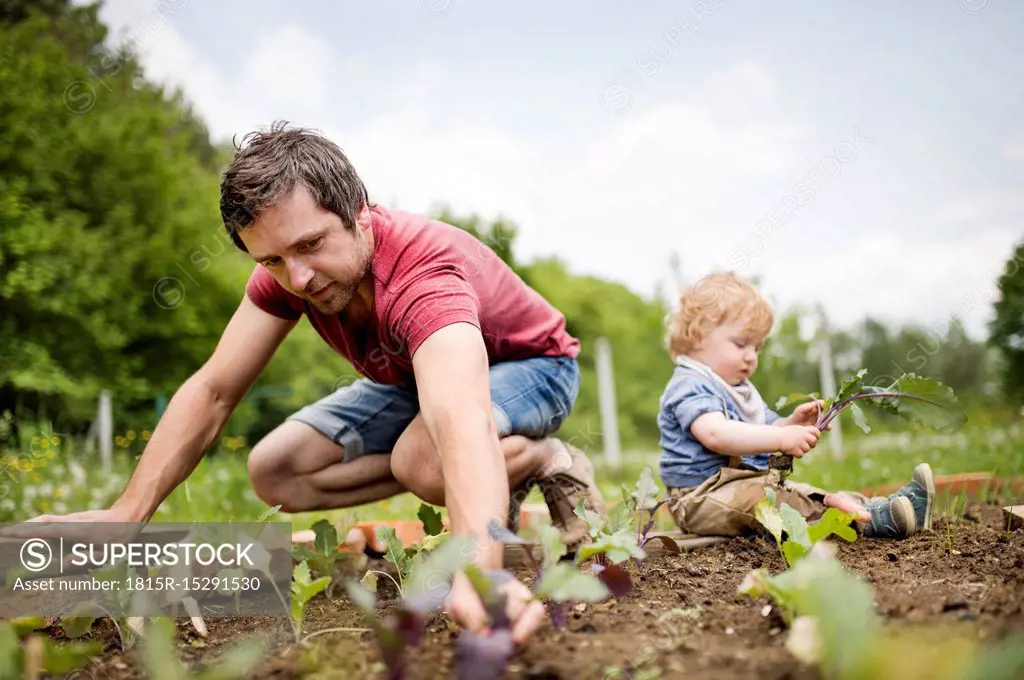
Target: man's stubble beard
(343, 296)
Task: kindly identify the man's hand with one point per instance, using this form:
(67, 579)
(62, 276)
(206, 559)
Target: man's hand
(796, 440)
(467, 610)
(100, 526)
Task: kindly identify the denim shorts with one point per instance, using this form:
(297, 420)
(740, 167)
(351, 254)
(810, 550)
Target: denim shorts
(531, 397)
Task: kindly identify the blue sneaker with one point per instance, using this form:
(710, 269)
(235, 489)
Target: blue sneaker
(921, 493)
(891, 518)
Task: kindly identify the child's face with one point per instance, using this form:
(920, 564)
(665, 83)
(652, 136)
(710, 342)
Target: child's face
(730, 351)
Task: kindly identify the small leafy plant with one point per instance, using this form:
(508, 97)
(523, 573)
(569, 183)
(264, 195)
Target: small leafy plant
(406, 558)
(920, 401)
(840, 621)
(613, 539)
(557, 582)
(325, 557)
(84, 613)
(642, 500)
(303, 590)
(833, 625)
(800, 537)
(27, 654)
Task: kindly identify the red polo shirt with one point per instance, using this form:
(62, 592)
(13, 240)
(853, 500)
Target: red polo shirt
(428, 274)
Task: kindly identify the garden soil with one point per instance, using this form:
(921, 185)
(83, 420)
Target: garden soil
(684, 618)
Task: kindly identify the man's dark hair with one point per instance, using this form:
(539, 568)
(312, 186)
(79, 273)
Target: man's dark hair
(267, 167)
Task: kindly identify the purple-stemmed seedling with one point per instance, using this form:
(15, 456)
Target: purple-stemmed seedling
(921, 401)
(426, 590)
(485, 656)
(558, 582)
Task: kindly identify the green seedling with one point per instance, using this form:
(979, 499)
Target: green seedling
(406, 558)
(303, 590)
(325, 557)
(954, 515)
(645, 500)
(129, 603)
(800, 537)
(27, 654)
(833, 626)
(841, 604)
(228, 576)
(637, 503)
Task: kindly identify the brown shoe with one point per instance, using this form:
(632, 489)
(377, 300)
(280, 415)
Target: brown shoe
(563, 482)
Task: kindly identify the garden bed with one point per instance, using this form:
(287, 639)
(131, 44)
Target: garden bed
(685, 617)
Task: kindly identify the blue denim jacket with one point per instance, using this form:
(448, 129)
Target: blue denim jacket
(685, 462)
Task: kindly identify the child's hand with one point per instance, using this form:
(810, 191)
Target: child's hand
(796, 440)
(807, 414)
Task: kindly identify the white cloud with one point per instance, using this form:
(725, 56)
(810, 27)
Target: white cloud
(287, 73)
(984, 206)
(287, 70)
(694, 178)
(896, 277)
(1015, 148)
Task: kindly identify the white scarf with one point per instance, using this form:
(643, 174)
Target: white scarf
(746, 397)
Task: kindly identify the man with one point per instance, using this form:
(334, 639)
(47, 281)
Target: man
(467, 370)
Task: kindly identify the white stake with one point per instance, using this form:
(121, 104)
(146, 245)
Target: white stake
(606, 397)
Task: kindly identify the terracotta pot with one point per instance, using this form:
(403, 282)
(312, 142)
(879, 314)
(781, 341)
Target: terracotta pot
(355, 542)
(408, 532)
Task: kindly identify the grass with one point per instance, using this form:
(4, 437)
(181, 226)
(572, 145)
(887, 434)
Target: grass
(55, 474)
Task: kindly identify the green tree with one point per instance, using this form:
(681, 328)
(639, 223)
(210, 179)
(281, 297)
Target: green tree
(785, 364)
(102, 201)
(1007, 328)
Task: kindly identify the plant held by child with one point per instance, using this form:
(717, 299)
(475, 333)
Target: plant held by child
(920, 401)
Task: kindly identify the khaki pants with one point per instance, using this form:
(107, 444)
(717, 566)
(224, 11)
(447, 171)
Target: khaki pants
(723, 505)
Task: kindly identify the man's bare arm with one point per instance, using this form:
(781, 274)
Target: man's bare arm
(452, 379)
(199, 409)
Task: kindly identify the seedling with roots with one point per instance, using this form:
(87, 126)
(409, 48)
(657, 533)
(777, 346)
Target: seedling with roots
(557, 582)
(485, 656)
(920, 401)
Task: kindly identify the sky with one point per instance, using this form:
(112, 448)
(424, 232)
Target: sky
(867, 157)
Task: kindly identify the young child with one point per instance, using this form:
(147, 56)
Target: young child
(717, 433)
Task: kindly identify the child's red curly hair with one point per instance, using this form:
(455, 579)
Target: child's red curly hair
(716, 299)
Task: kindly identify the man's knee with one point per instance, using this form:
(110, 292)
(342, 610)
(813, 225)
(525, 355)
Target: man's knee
(412, 467)
(270, 470)
(413, 460)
